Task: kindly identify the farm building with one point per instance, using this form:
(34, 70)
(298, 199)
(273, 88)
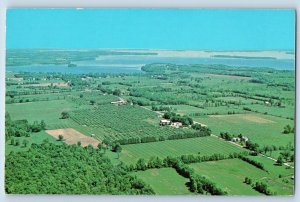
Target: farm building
(176, 124)
(164, 122)
(236, 139)
(244, 138)
(119, 102)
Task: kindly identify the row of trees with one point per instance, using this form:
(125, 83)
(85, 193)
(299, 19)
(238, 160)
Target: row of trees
(156, 162)
(203, 132)
(259, 186)
(253, 162)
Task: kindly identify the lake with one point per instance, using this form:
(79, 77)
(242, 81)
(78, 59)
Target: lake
(132, 64)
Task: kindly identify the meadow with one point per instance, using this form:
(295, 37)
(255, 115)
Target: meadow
(198, 146)
(164, 181)
(260, 128)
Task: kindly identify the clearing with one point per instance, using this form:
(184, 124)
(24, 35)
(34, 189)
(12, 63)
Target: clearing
(72, 136)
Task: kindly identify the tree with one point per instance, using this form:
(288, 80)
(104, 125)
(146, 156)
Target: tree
(118, 149)
(60, 138)
(92, 102)
(141, 164)
(248, 180)
(25, 143)
(17, 142)
(12, 141)
(65, 115)
(117, 92)
(279, 160)
(79, 143)
(287, 129)
(43, 125)
(81, 95)
(285, 155)
(100, 146)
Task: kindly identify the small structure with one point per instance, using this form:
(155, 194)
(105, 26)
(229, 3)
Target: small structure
(176, 124)
(267, 103)
(245, 139)
(119, 102)
(92, 135)
(236, 139)
(164, 122)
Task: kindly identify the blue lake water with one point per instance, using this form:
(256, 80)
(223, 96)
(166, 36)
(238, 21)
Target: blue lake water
(133, 64)
(74, 70)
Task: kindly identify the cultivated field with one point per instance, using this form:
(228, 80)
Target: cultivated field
(71, 136)
(199, 146)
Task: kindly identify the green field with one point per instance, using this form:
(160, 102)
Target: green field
(262, 129)
(230, 174)
(201, 146)
(36, 138)
(49, 111)
(164, 181)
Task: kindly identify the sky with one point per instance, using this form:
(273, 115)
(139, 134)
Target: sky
(177, 29)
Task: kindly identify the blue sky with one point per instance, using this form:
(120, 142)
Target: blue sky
(151, 28)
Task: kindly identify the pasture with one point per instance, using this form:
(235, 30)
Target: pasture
(201, 146)
(230, 175)
(262, 129)
(164, 181)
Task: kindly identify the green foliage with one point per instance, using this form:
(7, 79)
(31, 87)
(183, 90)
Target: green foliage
(75, 170)
(60, 138)
(65, 115)
(262, 188)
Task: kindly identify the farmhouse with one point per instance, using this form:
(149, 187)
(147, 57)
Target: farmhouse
(176, 124)
(164, 122)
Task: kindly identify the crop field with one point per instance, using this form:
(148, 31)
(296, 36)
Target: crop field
(72, 136)
(118, 122)
(263, 129)
(165, 181)
(201, 146)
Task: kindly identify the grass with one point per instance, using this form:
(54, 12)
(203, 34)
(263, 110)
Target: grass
(229, 174)
(164, 181)
(283, 185)
(262, 129)
(202, 146)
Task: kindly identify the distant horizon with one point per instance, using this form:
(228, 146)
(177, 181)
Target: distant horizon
(163, 29)
(160, 49)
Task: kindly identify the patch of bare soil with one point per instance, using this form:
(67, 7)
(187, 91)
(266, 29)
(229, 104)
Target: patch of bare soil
(72, 136)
